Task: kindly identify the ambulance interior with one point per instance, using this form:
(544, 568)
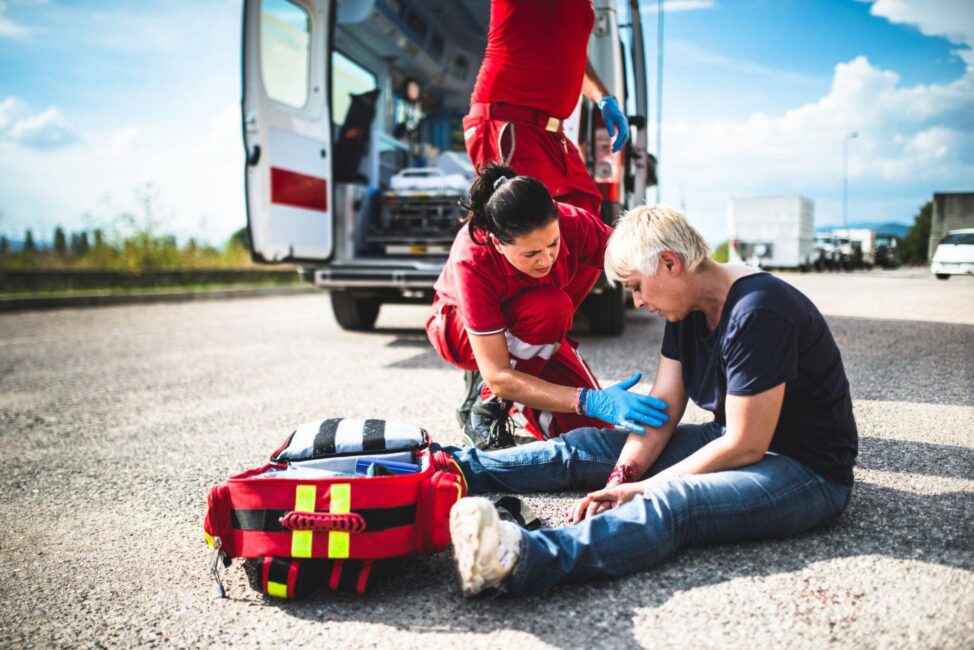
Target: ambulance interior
(423, 59)
(401, 76)
(402, 72)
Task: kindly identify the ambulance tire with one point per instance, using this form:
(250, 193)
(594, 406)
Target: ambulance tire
(354, 313)
(607, 311)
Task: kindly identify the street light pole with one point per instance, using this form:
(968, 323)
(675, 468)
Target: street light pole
(845, 177)
(659, 93)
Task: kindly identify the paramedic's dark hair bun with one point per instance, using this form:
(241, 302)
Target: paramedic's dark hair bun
(506, 205)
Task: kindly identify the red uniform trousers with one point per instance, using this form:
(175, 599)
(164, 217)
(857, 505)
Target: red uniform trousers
(538, 322)
(517, 137)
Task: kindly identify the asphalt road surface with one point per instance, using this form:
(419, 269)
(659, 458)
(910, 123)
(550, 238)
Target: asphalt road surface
(115, 421)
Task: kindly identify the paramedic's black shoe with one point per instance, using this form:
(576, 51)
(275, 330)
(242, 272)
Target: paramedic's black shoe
(471, 387)
(489, 426)
(510, 508)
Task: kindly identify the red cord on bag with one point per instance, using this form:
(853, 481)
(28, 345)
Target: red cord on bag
(323, 521)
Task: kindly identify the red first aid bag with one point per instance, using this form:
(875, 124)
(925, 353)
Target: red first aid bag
(309, 502)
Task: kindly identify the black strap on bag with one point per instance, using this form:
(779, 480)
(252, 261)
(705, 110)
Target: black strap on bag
(292, 579)
(511, 508)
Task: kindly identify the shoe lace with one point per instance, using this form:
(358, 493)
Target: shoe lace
(501, 431)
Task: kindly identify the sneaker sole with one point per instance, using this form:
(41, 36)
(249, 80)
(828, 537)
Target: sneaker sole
(475, 532)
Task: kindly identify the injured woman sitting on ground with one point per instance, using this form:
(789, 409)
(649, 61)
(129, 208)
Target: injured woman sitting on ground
(776, 459)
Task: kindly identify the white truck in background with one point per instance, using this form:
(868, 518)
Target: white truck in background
(861, 252)
(772, 231)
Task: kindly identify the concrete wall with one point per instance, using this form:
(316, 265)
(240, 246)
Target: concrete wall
(951, 211)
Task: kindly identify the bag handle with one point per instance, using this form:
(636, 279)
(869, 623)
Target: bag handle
(323, 521)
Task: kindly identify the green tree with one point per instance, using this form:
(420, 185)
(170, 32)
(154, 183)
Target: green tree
(29, 246)
(720, 253)
(917, 240)
(60, 242)
(241, 238)
(102, 254)
(79, 243)
(4, 245)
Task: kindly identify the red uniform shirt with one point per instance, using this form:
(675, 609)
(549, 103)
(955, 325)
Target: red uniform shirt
(536, 54)
(479, 280)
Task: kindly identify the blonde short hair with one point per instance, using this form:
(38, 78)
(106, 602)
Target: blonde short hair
(643, 233)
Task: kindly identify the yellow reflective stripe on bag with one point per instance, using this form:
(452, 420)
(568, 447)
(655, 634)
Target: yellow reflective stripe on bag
(304, 501)
(276, 589)
(341, 504)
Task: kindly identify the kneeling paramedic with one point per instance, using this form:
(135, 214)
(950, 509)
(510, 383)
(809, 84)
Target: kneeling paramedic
(504, 305)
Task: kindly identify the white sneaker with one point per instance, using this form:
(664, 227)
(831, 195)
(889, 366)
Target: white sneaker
(485, 547)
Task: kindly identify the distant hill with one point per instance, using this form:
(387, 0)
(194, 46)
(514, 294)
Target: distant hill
(891, 227)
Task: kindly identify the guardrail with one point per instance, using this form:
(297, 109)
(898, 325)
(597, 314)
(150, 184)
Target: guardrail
(70, 279)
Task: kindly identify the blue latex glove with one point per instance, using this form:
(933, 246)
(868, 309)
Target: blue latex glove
(629, 410)
(615, 121)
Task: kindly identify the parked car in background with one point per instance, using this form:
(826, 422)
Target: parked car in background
(863, 246)
(824, 255)
(887, 252)
(848, 253)
(954, 254)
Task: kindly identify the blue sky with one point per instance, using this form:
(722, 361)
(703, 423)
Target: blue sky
(97, 98)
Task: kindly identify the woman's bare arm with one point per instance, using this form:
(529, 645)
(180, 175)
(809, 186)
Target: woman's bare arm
(494, 362)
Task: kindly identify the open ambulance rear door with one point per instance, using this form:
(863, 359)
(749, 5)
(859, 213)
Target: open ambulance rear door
(287, 129)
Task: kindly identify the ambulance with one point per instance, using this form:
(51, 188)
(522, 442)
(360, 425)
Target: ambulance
(355, 158)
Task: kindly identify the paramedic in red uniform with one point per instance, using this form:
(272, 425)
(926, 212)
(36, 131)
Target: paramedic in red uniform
(504, 304)
(534, 67)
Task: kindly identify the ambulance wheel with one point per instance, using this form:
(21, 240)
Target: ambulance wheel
(354, 313)
(607, 311)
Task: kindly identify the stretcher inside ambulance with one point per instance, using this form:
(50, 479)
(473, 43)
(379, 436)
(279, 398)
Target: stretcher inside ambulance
(355, 157)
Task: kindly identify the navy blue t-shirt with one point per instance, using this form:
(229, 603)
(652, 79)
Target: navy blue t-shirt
(769, 333)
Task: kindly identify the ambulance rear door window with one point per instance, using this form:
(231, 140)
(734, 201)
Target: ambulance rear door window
(285, 52)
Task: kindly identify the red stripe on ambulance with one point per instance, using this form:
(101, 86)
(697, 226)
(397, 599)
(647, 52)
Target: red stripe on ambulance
(298, 190)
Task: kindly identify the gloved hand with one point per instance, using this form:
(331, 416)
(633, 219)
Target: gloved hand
(629, 410)
(615, 121)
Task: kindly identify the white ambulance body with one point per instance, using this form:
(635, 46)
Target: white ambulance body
(354, 146)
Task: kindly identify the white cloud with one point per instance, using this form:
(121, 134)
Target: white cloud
(122, 140)
(9, 28)
(952, 19)
(691, 53)
(677, 5)
(197, 170)
(12, 29)
(916, 137)
(45, 130)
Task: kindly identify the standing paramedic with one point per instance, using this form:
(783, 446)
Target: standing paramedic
(535, 65)
(504, 304)
(534, 68)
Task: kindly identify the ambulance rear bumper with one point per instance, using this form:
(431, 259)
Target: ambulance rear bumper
(414, 275)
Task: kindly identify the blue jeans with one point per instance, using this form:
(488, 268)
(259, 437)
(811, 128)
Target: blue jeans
(775, 497)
